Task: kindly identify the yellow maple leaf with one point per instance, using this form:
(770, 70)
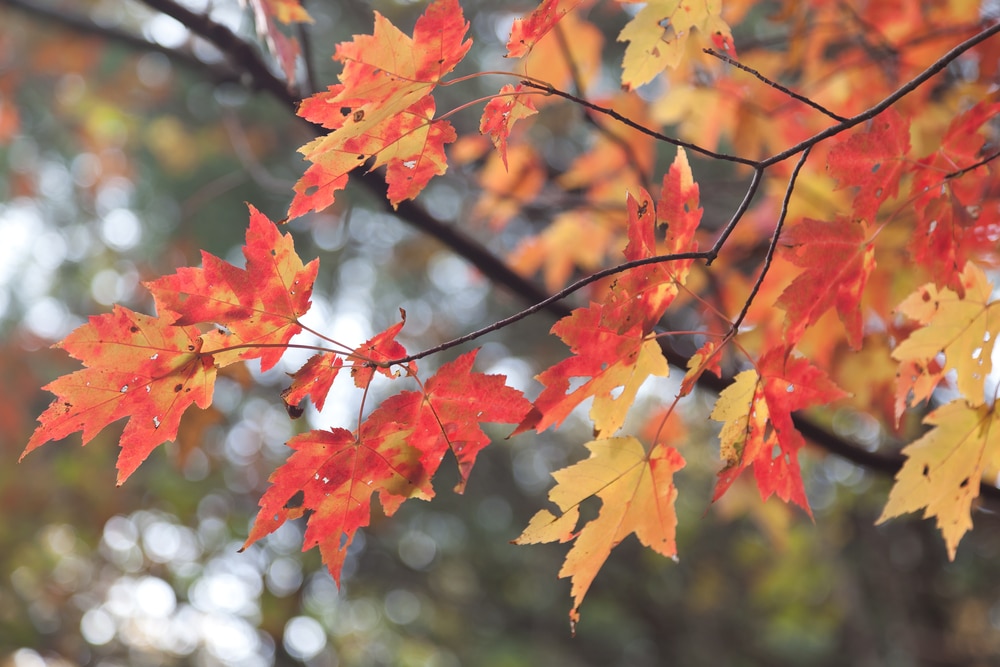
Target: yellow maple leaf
(637, 494)
(943, 469)
(658, 33)
(963, 327)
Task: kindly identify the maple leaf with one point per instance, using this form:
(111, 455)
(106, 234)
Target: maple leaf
(332, 475)
(963, 328)
(657, 35)
(756, 411)
(873, 161)
(525, 32)
(447, 414)
(269, 12)
(380, 348)
(260, 305)
(609, 358)
(314, 379)
(944, 468)
(382, 108)
(955, 215)
(137, 366)
(837, 259)
(502, 112)
(637, 495)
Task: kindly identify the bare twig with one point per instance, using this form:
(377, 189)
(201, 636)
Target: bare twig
(774, 84)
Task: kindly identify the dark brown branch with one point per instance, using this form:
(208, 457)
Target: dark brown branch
(81, 25)
(899, 94)
(625, 120)
(257, 75)
(773, 245)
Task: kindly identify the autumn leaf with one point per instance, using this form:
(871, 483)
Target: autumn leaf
(525, 32)
(872, 161)
(657, 35)
(637, 496)
(612, 364)
(943, 469)
(446, 415)
(964, 329)
(314, 379)
(508, 107)
(382, 108)
(260, 305)
(756, 411)
(837, 259)
(332, 476)
(955, 215)
(379, 349)
(137, 366)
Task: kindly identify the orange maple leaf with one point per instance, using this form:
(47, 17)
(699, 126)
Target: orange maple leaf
(501, 112)
(137, 366)
(382, 108)
(525, 32)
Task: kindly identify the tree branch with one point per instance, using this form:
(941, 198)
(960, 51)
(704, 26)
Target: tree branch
(254, 72)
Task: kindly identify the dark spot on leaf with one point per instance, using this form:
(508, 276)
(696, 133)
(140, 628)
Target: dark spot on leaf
(927, 470)
(296, 500)
(359, 115)
(134, 329)
(178, 387)
(876, 167)
(190, 348)
(926, 296)
(965, 483)
(274, 253)
(361, 157)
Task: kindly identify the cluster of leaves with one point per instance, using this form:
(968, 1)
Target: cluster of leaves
(935, 212)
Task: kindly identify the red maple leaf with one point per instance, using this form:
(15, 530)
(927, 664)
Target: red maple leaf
(955, 216)
(872, 161)
(758, 430)
(383, 109)
(837, 259)
(332, 475)
(137, 366)
(379, 349)
(260, 305)
(447, 414)
(314, 379)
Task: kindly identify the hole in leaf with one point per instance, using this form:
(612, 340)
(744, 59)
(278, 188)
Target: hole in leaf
(296, 501)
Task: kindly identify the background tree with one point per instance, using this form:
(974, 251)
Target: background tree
(133, 133)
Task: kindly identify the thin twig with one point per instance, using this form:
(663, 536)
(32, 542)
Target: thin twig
(887, 102)
(774, 84)
(772, 246)
(625, 120)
